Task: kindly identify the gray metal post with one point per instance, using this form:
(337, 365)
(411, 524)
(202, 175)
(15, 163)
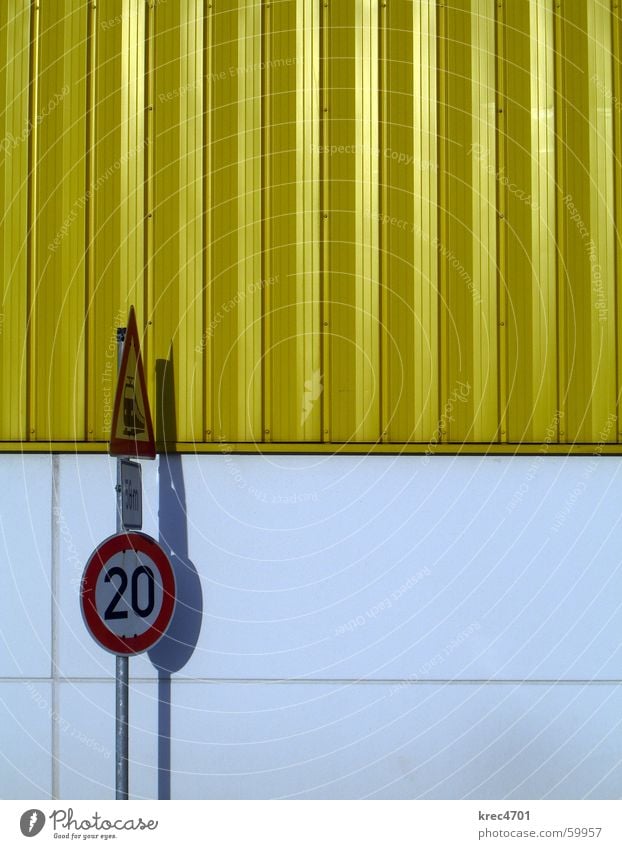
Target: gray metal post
(122, 736)
(122, 663)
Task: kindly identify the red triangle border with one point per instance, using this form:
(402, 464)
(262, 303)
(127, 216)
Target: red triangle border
(131, 447)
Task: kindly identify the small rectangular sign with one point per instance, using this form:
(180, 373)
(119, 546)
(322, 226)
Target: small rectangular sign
(131, 495)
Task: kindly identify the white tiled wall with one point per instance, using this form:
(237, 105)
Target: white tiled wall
(391, 627)
(25, 570)
(27, 712)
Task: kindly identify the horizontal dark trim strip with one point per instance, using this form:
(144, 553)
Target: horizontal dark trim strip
(333, 448)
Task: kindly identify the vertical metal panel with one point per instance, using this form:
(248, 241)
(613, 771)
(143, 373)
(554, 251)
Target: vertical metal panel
(409, 163)
(15, 134)
(149, 202)
(616, 95)
(206, 347)
(353, 220)
(469, 344)
(586, 261)
(292, 221)
(59, 305)
(526, 185)
(178, 206)
(235, 328)
(117, 198)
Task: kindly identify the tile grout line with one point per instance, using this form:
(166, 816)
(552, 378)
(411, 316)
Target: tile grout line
(386, 682)
(55, 555)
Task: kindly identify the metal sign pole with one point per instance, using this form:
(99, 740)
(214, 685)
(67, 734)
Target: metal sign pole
(122, 663)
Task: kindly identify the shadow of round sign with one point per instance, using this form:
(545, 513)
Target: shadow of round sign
(127, 594)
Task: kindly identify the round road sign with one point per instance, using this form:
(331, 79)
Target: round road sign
(127, 593)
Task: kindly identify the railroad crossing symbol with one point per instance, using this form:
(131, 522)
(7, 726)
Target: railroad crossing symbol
(132, 429)
(127, 595)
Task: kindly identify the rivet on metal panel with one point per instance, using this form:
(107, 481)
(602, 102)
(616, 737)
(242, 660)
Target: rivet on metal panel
(502, 324)
(266, 432)
(325, 324)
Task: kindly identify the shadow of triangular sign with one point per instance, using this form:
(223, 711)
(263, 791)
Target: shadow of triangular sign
(132, 428)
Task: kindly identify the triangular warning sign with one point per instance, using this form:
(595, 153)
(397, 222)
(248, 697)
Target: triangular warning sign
(132, 429)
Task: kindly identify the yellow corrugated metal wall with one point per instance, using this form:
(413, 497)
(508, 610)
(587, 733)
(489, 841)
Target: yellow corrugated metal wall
(342, 222)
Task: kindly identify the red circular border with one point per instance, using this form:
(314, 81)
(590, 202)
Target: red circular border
(93, 621)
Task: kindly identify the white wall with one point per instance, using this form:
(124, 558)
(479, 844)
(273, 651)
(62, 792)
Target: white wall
(386, 627)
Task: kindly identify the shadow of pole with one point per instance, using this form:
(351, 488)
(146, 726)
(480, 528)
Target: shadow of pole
(176, 647)
(164, 734)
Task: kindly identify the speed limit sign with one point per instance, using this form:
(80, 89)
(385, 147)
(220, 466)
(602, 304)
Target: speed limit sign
(127, 593)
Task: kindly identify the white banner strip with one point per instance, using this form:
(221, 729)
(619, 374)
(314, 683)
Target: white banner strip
(313, 824)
